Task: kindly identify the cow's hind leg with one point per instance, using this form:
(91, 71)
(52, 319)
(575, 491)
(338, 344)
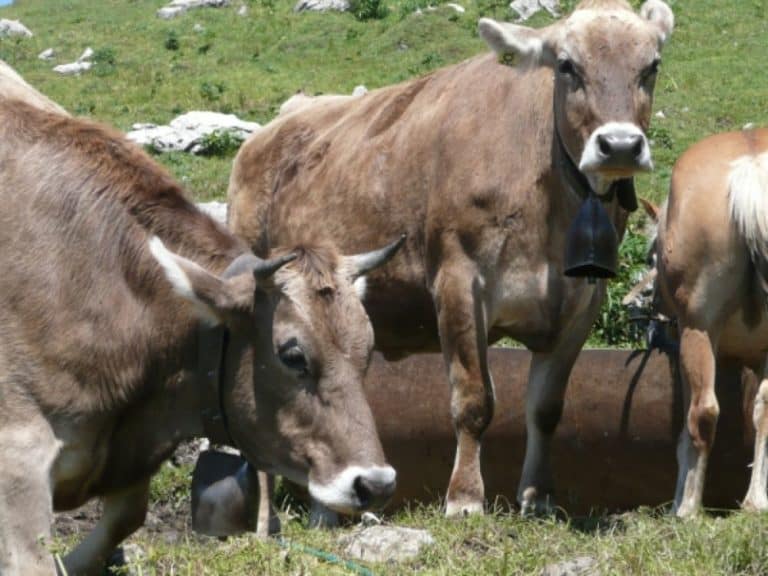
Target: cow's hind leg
(757, 498)
(26, 505)
(547, 383)
(697, 368)
(463, 337)
(123, 513)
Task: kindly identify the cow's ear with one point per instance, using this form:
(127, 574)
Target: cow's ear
(215, 298)
(660, 16)
(518, 45)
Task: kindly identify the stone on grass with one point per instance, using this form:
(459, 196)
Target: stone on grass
(386, 543)
(9, 28)
(47, 54)
(321, 5)
(187, 133)
(73, 68)
(581, 566)
(178, 7)
(527, 8)
(243, 10)
(82, 64)
(457, 7)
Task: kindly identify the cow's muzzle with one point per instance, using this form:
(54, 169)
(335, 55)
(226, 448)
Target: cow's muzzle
(356, 489)
(616, 150)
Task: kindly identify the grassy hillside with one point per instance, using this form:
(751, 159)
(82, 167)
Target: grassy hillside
(713, 79)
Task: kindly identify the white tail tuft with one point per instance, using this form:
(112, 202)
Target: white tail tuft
(748, 199)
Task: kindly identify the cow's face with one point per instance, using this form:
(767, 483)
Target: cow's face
(300, 344)
(605, 61)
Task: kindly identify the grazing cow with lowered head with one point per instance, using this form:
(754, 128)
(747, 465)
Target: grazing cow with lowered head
(484, 165)
(130, 321)
(712, 258)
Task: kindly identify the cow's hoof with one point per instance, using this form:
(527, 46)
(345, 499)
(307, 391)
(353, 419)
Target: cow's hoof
(687, 511)
(531, 504)
(461, 508)
(751, 504)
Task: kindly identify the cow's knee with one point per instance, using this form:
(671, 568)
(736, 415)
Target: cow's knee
(472, 409)
(702, 423)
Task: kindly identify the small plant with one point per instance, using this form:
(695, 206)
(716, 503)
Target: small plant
(368, 9)
(171, 41)
(104, 61)
(212, 91)
(220, 143)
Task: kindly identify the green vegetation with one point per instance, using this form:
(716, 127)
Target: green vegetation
(150, 70)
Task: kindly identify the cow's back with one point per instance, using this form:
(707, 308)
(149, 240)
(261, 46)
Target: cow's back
(82, 298)
(14, 87)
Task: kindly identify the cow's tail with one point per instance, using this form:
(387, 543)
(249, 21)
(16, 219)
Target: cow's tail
(748, 204)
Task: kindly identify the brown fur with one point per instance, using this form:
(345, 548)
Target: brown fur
(100, 374)
(708, 280)
(464, 162)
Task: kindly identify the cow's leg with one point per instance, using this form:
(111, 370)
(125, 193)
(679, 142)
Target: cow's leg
(697, 368)
(26, 503)
(463, 337)
(757, 498)
(123, 513)
(547, 382)
(267, 521)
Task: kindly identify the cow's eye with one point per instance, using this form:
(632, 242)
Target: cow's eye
(650, 71)
(567, 69)
(293, 357)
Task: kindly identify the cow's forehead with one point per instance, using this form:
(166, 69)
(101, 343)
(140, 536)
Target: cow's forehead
(594, 34)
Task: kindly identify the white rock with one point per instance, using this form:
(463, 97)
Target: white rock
(360, 90)
(243, 10)
(73, 68)
(321, 5)
(10, 28)
(660, 114)
(527, 8)
(187, 132)
(86, 55)
(177, 7)
(748, 126)
(47, 54)
(581, 566)
(198, 28)
(458, 8)
(386, 543)
(216, 210)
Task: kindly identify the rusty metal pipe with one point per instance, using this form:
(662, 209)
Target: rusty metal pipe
(614, 448)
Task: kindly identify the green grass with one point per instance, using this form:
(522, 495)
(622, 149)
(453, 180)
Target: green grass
(642, 543)
(713, 79)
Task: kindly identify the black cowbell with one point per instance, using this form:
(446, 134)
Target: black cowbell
(592, 245)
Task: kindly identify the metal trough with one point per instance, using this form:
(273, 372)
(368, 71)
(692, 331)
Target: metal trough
(614, 448)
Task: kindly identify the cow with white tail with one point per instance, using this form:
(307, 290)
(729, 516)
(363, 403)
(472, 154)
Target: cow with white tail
(712, 257)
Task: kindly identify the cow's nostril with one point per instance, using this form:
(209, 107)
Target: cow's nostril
(373, 492)
(604, 145)
(637, 146)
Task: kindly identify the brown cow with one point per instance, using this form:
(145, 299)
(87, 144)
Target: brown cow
(104, 369)
(712, 255)
(484, 166)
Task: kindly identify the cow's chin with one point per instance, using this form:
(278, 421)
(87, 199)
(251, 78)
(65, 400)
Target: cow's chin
(343, 493)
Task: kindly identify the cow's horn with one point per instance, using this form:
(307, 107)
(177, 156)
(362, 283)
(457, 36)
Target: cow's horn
(265, 268)
(367, 261)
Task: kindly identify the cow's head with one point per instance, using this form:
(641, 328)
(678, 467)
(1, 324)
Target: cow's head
(299, 346)
(605, 59)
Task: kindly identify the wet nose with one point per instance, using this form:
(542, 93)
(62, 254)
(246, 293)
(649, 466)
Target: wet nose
(621, 148)
(374, 489)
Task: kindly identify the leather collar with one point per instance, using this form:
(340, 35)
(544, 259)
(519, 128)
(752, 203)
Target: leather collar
(211, 353)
